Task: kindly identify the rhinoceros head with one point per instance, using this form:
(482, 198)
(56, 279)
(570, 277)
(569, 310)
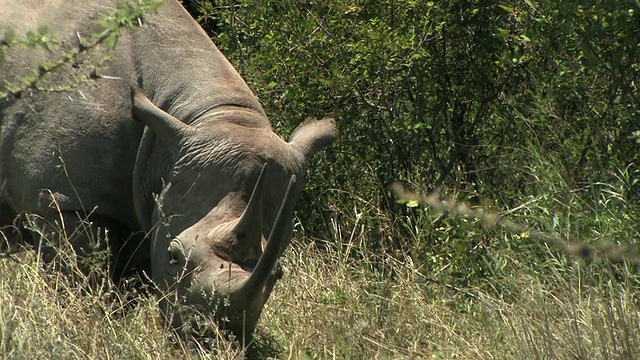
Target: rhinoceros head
(224, 214)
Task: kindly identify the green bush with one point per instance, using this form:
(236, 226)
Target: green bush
(526, 110)
(528, 106)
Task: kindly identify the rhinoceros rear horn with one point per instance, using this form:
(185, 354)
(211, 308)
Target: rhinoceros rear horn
(250, 223)
(166, 126)
(278, 240)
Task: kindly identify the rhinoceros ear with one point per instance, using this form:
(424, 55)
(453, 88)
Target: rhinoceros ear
(314, 135)
(166, 126)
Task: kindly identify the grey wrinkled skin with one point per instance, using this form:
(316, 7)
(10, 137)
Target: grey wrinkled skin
(184, 171)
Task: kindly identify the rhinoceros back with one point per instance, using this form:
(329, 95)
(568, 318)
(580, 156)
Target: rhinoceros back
(81, 143)
(70, 143)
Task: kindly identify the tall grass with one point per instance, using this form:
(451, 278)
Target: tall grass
(46, 314)
(456, 288)
(330, 306)
(334, 304)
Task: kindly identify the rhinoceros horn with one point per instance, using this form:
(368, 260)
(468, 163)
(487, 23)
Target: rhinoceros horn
(249, 226)
(277, 241)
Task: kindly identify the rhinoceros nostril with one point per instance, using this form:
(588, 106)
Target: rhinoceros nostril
(248, 264)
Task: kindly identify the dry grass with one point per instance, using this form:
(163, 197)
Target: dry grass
(331, 306)
(46, 314)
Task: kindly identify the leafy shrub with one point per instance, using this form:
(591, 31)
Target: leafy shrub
(514, 105)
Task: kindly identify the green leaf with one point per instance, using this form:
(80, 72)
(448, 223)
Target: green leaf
(47, 65)
(83, 41)
(10, 86)
(111, 40)
(506, 8)
(10, 37)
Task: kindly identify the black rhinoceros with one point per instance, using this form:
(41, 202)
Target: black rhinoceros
(200, 172)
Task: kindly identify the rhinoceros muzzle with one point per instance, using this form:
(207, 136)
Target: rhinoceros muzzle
(233, 293)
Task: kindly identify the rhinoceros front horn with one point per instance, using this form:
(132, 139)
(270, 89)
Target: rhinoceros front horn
(276, 244)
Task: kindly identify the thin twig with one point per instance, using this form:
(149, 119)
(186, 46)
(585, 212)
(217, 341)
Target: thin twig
(613, 253)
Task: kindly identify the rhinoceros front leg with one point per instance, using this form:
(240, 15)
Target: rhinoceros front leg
(92, 244)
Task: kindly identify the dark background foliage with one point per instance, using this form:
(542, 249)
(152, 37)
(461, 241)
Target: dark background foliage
(500, 103)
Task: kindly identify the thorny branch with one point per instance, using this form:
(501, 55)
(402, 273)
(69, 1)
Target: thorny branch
(613, 253)
(113, 24)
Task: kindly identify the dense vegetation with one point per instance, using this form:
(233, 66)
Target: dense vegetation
(527, 109)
